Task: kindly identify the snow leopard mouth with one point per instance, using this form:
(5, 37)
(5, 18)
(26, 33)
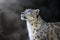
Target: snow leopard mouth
(23, 17)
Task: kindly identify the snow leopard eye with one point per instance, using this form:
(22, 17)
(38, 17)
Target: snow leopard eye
(28, 11)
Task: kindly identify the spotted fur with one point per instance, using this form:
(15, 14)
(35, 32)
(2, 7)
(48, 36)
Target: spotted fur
(37, 28)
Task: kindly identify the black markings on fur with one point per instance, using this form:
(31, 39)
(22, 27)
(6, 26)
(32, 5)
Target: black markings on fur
(32, 24)
(33, 31)
(41, 32)
(36, 25)
(44, 38)
(52, 26)
(45, 32)
(33, 17)
(32, 20)
(48, 28)
(51, 38)
(34, 39)
(41, 39)
(51, 31)
(37, 30)
(29, 21)
(38, 36)
(47, 37)
(47, 24)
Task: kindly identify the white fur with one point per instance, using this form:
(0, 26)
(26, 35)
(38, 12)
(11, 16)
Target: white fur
(29, 31)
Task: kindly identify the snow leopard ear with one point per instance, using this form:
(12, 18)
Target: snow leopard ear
(37, 11)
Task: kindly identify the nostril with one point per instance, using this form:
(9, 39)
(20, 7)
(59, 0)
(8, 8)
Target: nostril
(24, 17)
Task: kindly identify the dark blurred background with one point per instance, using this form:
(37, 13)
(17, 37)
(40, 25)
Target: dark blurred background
(13, 28)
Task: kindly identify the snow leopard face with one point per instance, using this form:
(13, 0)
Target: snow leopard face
(29, 14)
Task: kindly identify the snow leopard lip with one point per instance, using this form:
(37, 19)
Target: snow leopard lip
(23, 17)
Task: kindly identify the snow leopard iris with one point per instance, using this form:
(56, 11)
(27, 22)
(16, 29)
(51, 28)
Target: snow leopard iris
(37, 28)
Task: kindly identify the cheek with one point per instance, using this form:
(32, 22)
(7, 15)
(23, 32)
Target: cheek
(29, 13)
(34, 15)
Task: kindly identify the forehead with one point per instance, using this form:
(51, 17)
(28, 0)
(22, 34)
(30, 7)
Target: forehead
(28, 10)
